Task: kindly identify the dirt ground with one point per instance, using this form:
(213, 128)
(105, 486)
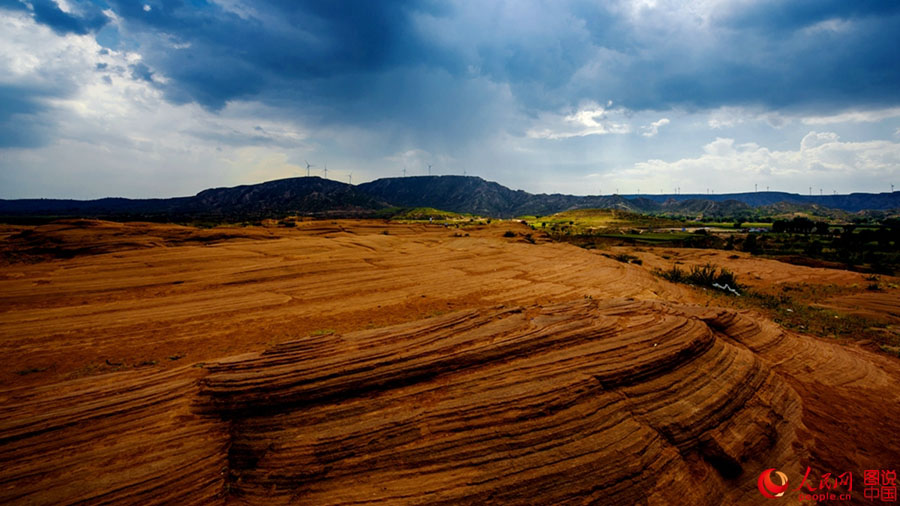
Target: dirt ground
(872, 299)
(165, 295)
(333, 360)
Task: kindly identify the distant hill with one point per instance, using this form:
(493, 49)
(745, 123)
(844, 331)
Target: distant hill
(474, 195)
(852, 202)
(301, 195)
(458, 194)
(469, 194)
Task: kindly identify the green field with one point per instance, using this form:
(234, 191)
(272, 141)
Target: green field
(413, 214)
(593, 221)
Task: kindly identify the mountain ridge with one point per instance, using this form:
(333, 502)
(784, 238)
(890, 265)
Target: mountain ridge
(463, 194)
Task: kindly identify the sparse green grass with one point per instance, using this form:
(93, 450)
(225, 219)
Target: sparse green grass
(794, 307)
(892, 350)
(321, 332)
(707, 276)
(625, 258)
(584, 221)
(414, 214)
(791, 313)
(650, 237)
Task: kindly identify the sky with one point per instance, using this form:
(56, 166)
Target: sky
(158, 98)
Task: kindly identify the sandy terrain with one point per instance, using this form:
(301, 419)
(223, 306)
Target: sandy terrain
(771, 276)
(347, 362)
(199, 300)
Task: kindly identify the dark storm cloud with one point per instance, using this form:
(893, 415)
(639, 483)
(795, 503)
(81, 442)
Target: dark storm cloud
(21, 124)
(13, 5)
(140, 72)
(441, 69)
(796, 54)
(87, 16)
(284, 46)
(777, 15)
(325, 54)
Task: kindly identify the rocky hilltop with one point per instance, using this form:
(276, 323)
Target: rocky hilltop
(460, 194)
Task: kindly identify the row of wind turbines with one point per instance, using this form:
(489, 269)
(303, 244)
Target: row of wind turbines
(350, 175)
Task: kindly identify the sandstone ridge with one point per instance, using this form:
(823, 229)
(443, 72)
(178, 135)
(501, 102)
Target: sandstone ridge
(616, 401)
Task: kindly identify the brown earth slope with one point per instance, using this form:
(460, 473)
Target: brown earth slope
(198, 301)
(493, 371)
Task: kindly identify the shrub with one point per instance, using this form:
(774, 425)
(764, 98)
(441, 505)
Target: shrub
(675, 274)
(702, 275)
(509, 233)
(625, 258)
(750, 244)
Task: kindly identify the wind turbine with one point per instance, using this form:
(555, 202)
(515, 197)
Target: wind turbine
(350, 178)
(404, 171)
(429, 170)
(307, 167)
(892, 187)
(326, 170)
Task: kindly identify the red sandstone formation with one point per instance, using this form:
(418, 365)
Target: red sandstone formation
(614, 392)
(617, 402)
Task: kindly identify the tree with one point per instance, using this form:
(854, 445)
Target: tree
(750, 244)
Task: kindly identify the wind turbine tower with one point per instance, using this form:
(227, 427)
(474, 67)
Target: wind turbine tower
(350, 178)
(307, 167)
(326, 170)
(429, 169)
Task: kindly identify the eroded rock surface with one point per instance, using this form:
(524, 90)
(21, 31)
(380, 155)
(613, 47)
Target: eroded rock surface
(614, 402)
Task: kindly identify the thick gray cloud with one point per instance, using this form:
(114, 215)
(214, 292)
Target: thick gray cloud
(778, 54)
(347, 61)
(526, 84)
